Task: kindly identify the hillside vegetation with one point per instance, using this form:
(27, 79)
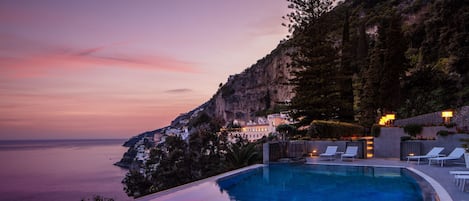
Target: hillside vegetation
(366, 58)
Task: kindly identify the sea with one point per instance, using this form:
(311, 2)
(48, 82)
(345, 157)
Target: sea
(61, 170)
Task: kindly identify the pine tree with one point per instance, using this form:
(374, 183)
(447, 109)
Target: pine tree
(317, 87)
(345, 74)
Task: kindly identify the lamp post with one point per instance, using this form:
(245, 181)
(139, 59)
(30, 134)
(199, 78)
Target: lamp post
(446, 115)
(390, 117)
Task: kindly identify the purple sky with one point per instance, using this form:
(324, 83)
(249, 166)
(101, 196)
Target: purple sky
(113, 69)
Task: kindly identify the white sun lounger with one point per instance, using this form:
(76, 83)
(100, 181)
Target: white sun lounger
(461, 181)
(350, 152)
(455, 154)
(431, 154)
(457, 179)
(330, 152)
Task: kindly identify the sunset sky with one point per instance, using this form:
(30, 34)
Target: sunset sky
(116, 68)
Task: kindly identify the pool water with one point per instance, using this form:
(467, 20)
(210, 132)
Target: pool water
(321, 183)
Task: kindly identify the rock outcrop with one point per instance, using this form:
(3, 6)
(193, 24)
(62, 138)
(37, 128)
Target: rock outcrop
(265, 86)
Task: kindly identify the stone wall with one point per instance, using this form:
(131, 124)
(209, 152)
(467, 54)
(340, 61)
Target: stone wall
(461, 118)
(294, 149)
(425, 119)
(388, 144)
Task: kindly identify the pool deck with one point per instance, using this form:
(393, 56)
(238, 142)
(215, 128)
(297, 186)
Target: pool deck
(439, 174)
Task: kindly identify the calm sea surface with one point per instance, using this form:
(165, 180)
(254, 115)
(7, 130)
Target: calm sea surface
(60, 170)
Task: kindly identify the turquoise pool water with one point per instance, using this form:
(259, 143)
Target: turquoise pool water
(321, 183)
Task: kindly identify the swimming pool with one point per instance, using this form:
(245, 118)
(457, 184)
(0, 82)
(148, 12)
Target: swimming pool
(302, 182)
(322, 182)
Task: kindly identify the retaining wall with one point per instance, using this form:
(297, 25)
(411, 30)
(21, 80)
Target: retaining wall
(461, 119)
(388, 144)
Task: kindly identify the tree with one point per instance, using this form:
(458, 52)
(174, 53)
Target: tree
(317, 81)
(136, 184)
(285, 129)
(346, 73)
(382, 88)
(323, 79)
(241, 155)
(98, 198)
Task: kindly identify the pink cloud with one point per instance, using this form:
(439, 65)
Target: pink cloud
(31, 59)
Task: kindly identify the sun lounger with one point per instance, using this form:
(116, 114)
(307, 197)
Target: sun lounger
(330, 152)
(454, 155)
(431, 154)
(456, 173)
(350, 152)
(461, 181)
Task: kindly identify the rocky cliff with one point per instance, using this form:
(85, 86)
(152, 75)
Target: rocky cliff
(264, 87)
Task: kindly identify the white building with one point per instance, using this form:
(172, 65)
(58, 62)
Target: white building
(253, 131)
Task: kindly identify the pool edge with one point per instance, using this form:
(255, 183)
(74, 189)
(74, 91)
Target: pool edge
(441, 193)
(439, 189)
(157, 195)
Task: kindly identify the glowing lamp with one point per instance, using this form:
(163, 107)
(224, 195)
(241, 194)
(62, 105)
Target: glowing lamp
(447, 114)
(411, 154)
(390, 116)
(383, 121)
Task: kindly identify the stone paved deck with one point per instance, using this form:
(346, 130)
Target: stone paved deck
(440, 174)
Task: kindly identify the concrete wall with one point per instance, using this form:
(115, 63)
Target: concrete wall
(461, 118)
(426, 119)
(388, 144)
(275, 150)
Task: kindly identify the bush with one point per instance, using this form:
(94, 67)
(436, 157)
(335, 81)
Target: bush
(334, 129)
(413, 129)
(450, 125)
(405, 138)
(444, 133)
(375, 130)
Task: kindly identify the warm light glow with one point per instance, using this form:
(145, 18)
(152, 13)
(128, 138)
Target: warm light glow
(369, 142)
(369, 155)
(447, 114)
(390, 116)
(314, 151)
(411, 154)
(382, 121)
(369, 148)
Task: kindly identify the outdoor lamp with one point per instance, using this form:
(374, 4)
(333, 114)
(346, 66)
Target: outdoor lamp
(447, 114)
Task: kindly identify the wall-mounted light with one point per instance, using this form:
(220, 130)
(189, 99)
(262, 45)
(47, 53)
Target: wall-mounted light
(446, 115)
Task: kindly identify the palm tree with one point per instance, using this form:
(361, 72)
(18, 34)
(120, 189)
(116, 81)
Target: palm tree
(241, 155)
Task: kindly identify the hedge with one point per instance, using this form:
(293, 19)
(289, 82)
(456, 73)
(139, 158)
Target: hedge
(334, 129)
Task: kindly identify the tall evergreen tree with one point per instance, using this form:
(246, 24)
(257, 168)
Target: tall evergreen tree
(346, 73)
(382, 90)
(317, 91)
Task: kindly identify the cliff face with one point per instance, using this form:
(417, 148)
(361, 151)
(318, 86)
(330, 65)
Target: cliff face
(262, 87)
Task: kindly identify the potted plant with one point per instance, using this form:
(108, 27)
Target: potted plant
(465, 145)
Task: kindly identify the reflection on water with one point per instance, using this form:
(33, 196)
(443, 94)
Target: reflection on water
(60, 170)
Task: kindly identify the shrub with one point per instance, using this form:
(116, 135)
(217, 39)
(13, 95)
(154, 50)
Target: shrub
(450, 125)
(413, 129)
(375, 130)
(334, 129)
(444, 133)
(405, 138)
